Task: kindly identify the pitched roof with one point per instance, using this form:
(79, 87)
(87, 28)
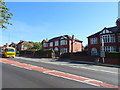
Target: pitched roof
(64, 36)
(114, 29)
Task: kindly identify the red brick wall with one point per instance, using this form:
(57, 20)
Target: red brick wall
(95, 59)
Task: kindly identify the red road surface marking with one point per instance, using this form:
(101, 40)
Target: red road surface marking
(60, 74)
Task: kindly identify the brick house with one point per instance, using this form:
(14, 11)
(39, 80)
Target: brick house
(63, 44)
(110, 37)
(23, 45)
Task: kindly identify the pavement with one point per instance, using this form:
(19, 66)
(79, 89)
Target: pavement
(73, 61)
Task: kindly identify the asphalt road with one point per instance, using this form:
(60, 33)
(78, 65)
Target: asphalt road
(15, 77)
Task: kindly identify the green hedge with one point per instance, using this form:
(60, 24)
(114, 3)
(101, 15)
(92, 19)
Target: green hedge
(83, 53)
(26, 52)
(67, 55)
(112, 55)
(44, 51)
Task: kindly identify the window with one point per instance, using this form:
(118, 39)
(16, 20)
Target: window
(56, 49)
(51, 43)
(9, 50)
(63, 50)
(109, 48)
(63, 42)
(94, 51)
(108, 38)
(45, 44)
(56, 43)
(93, 40)
(106, 31)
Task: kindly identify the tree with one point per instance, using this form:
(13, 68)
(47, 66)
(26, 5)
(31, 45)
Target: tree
(36, 45)
(5, 15)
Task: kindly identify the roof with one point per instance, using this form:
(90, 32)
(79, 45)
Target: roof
(64, 36)
(114, 29)
(25, 42)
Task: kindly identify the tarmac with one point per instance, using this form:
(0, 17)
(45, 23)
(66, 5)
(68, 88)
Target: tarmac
(77, 62)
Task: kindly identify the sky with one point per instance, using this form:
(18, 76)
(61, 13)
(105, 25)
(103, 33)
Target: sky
(35, 21)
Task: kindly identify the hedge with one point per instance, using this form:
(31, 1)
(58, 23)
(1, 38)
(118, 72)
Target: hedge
(112, 55)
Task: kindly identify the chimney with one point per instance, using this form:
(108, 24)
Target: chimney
(21, 40)
(73, 37)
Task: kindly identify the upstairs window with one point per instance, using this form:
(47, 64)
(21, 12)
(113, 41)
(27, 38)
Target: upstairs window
(51, 44)
(108, 38)
(56, 43)
(45, 44)
(93, 41)
(63, 42)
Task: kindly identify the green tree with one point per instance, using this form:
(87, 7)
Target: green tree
(5, 15)
(36, 45)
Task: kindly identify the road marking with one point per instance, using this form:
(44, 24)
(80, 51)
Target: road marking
(59, 74)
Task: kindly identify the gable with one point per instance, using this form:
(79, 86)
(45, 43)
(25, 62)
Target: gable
(105, 31)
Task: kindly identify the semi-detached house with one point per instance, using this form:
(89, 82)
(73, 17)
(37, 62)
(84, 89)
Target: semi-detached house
(63, 44)
(109, 36)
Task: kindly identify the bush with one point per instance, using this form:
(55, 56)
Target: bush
(26, 52)
(112, 55)
(83, 53)
(44, 51)
(17, 52)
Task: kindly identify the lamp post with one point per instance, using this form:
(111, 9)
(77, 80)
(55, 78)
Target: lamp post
(102, 51)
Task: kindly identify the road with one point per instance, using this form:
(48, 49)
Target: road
(14, 76)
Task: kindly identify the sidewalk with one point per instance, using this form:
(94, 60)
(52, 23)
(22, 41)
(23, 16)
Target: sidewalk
(55, 60)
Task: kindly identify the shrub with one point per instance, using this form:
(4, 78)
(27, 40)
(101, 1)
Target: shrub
(112, 55)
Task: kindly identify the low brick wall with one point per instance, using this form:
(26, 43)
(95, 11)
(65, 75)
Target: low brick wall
(110, 60)
(95, 59)
(84, 58)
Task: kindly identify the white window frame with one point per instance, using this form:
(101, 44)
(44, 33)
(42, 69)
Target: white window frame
(93, 40)
(64, 50)
(109, 38)
(51, 44)
(63, 42)
(45, 44)
(56, 43)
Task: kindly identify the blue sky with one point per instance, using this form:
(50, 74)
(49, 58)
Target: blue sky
(35, 21)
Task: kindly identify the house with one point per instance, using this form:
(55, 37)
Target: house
(63, 44)
(3, 47)
(109, 37)
(24, 45)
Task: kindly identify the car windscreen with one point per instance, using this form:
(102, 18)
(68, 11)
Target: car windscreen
(10, 50)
